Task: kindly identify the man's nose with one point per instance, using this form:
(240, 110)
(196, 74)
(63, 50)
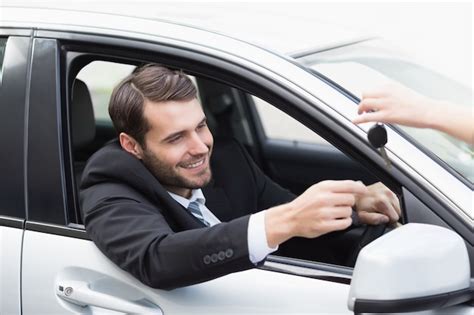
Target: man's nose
(198, 145)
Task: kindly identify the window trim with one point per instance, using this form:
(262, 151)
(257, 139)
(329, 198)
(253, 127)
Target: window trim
(3, 47)
(46, 201)
(15, 90)
(312, 269)
(12, 222)
(71, 230)
(9, 31)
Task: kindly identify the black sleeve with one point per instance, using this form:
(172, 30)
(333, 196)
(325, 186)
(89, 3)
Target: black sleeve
(129, 220)
(136, 236)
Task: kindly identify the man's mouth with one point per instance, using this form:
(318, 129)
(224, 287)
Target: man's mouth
(194, 164)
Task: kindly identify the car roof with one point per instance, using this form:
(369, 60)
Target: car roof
(286, 35)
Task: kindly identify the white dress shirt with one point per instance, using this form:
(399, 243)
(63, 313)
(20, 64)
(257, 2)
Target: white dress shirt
(256, 235)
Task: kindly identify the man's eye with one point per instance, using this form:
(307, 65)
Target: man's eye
(202, 125)
(174, 139)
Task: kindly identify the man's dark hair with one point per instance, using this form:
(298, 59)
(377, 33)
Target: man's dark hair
(150, 82)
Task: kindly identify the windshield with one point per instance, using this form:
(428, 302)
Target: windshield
(369, 64)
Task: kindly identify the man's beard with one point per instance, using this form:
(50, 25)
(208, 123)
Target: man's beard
(168, 176)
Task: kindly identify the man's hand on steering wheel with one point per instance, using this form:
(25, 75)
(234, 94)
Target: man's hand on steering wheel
(378, 206)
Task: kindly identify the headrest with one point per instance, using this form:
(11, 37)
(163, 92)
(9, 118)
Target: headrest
(82, 116)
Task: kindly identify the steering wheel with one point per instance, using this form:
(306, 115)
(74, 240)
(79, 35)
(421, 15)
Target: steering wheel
(371, 233)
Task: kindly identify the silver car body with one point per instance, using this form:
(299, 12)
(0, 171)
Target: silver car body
(48, 261)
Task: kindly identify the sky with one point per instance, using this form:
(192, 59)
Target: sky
(436, 34)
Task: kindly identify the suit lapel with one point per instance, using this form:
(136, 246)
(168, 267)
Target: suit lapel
(182, 217)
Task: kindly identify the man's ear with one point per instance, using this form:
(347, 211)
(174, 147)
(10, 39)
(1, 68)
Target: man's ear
(131, 145)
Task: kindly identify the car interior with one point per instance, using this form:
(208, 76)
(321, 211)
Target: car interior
(232, 113)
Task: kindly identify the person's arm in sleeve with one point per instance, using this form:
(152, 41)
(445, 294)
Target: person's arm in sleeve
(136, 236)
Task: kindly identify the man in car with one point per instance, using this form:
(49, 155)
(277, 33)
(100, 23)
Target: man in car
(173, 208)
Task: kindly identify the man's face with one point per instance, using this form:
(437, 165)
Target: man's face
(178, 146)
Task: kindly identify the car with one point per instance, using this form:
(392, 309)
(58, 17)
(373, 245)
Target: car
(291, 110)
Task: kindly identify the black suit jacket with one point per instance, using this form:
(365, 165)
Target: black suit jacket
(135, 222)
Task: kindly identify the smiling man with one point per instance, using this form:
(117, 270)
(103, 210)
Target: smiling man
(167, 152)
(172, 208)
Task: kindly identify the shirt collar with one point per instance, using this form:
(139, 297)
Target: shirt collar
(196, 195)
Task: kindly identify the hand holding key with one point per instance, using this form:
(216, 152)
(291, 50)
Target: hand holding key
(396, 104)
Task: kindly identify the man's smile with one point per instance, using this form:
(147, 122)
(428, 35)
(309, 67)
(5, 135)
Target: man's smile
(194, 164)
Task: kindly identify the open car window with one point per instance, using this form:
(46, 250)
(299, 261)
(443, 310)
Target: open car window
(363, 66)
(101, 77)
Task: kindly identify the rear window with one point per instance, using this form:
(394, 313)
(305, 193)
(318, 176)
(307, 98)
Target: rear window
(101, 77)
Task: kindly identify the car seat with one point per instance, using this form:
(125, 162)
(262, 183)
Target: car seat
(83, 127)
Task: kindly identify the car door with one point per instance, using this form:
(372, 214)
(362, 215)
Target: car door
(14, 47)
(64, 272)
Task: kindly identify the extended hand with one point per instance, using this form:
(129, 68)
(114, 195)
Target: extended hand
(324, 207)
(394, 103)
(379, 205)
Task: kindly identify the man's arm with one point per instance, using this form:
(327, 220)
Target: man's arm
(322, 208)
(377, 205)
(136, 236)
(136, 224)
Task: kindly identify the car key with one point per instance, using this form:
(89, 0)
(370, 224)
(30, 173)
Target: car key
(377, 136)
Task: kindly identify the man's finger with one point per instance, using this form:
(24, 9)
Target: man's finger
(338, 199)
(386, 207)
(345, 186)
(373, 218)
(333, 213)
(396, 204)
(338, 225)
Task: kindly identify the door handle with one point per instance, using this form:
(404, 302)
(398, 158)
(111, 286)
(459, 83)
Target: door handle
(79, 293)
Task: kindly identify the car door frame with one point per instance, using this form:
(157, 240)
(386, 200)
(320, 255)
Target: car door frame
(271, 91)
(72, 52)
(266, 88)
(13, 90)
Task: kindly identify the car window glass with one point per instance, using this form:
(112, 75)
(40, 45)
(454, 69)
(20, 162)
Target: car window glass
(280, 126)
(296, 157)
(3, 44)
(457, 154)
(362, 67)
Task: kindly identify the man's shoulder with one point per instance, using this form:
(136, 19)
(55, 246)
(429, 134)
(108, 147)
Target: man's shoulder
(111, 163)
(110, 156)
(111, 148)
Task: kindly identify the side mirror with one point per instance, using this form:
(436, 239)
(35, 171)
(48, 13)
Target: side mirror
(413, 268)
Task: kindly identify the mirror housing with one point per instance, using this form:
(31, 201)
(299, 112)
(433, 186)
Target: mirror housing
(413, 268)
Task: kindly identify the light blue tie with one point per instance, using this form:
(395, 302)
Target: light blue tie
(194, 209)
